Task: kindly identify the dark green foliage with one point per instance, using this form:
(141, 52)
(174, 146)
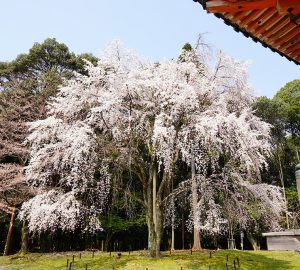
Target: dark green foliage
(187, 47)
(87, 56)
(292, 198)
(273, 112)
(26, 84)
(50, 57)
(118, 223)
(283, 113)
(289, 95)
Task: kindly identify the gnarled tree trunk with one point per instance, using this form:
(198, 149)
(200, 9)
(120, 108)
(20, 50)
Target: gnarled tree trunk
(154, 194)
(253, 241)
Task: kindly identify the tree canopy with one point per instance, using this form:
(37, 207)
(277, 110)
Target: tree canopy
(152, 117)
(108, 147)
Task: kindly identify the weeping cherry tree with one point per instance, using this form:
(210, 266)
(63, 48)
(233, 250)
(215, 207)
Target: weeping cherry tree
(154, 115)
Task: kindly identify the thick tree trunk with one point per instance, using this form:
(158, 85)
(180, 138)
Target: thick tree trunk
(24, 236)
(196, 232)
(12, 219)
(154, 235)
(151, 241)
(159, 229)
(154, 216)
(253, 242)
(154, 240)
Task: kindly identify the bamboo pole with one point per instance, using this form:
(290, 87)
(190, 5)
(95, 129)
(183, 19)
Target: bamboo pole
(284, 195)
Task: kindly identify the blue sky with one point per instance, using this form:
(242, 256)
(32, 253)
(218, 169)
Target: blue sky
(154, 28)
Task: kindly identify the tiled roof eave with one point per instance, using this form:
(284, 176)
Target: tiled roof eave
(246, 33)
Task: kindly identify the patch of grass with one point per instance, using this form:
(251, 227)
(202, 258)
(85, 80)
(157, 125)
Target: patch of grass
(249, 260)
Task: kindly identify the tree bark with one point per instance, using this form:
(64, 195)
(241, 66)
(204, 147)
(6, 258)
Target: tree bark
(159, 228)
(173, 221)
(154, 186)
(109, 234)
(102, 245)
(253, 242)
(12, 219)
(242, 240)
(173, 238)
(154, 215)
(196, 232)
(230, 240)
(151, 240)
(150, 219)
(24, 237)
(154, 234)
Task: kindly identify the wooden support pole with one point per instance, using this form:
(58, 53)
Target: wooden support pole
(10, 228)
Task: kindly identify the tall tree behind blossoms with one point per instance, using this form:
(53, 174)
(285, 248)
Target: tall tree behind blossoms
(283, 113)
(222, 183)
(26, 84)
(153, 115)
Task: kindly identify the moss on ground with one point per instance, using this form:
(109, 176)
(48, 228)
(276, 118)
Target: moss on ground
(249, 260)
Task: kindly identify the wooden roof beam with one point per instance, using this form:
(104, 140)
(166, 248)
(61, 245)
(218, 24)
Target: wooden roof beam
(266, 25)
(288, 6)
(294, 46)
(265, 16)
(233, 6)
